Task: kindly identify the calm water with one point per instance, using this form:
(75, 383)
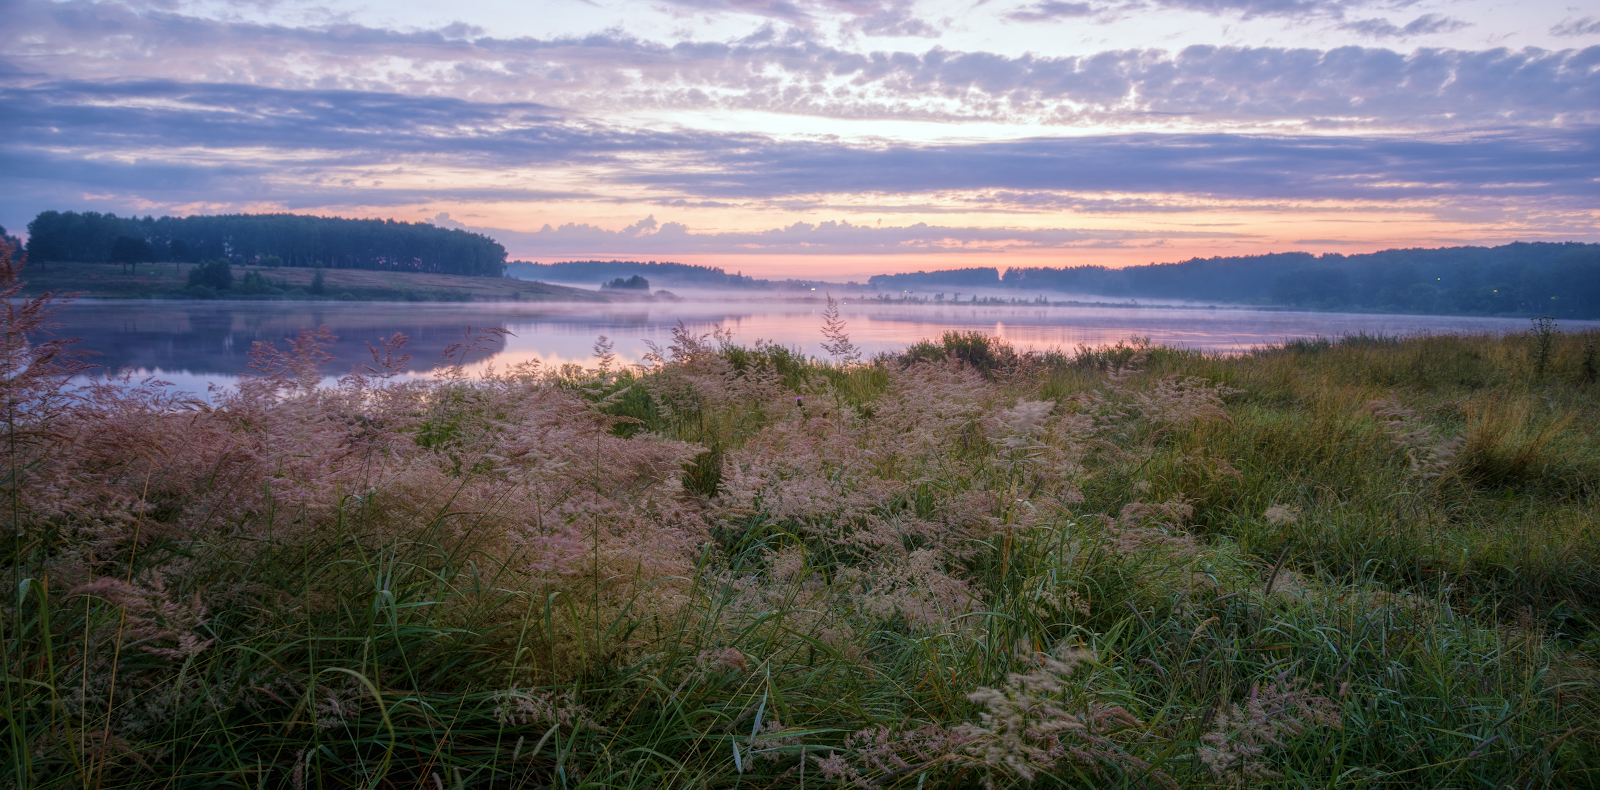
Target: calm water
(193, 344)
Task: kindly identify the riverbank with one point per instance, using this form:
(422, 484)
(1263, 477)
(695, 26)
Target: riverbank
(1362, 562)
(170, 281)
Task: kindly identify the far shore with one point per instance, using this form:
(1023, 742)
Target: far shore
(168, 282)
(171, 281)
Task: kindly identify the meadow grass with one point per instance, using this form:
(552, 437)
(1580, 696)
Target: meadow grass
(1355, 562)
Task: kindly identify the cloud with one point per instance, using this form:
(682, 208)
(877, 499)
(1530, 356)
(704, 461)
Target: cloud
(1422, 25)
(1051, 10)
(110, 106)
(871, 17)
(1586, 26)
(791, 73)
(834, 237)
(1562, 163)
(1257, 8)
(319, 127)
(776, 9)
(146, 146)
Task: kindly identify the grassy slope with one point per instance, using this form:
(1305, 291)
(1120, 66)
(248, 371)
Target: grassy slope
(111, 281)
(1445, 617)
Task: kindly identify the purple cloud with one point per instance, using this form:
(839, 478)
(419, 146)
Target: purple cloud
(1050, 10)
(1422, 25)
(873, 17)
(1346, 87)
(649, 237)
(1256, 8)
(1586, 26)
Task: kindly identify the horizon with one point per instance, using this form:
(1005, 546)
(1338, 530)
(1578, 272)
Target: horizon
(825, 139)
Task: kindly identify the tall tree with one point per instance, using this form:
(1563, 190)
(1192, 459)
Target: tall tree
(130, 252)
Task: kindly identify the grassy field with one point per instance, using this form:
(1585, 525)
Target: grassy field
(168, 280)
(1363, 562)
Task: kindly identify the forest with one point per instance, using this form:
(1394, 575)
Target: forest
(264, 240)
(978, 277)
(665, 272)
(1560, 280)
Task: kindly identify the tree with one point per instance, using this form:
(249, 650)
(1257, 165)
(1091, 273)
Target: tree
(255, 283)
(634, 283)
(318, 286)
(131, 251)
(215, 274)
(1325, 286)
(294, 239)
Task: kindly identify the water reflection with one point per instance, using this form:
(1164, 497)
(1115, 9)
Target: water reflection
(193, 343)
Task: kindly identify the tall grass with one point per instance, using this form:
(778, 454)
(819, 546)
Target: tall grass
(1357, 563)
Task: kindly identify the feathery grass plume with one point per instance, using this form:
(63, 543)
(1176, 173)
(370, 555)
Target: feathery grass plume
(1142, 526)
(837, 341)
(515, 557)
(151, 620)
(916, 588)
(726, 659)
(1281, 515)
(1431, 454)
(1238, 747)
(531, 707)
(1177, 400)
(35, 367)
(1023, 730)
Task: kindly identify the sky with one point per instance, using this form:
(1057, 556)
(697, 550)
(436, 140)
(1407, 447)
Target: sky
(823, 138)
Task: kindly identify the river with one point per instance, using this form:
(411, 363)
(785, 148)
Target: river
(196, 344)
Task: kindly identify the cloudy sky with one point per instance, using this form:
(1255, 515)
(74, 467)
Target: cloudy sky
(823, 137)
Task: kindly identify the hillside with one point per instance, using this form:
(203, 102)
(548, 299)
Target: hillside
(1562, 280)
(167, 280)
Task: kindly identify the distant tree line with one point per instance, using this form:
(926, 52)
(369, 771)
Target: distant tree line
(980, 277)
(1539, 278)
(10, 241)
(634, 283)
(608, 271)
(264, 240)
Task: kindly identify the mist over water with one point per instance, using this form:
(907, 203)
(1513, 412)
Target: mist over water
(195, 344)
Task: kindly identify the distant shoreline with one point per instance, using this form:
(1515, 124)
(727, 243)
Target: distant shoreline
(167, 282)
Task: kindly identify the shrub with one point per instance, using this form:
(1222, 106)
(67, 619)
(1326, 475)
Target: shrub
(255, 283)
(634, 283)
(217, 274)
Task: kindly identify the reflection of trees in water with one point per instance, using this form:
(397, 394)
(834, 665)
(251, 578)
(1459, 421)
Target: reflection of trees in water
(218, 339)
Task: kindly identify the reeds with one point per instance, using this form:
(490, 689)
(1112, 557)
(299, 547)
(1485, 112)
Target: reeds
(970, 566)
